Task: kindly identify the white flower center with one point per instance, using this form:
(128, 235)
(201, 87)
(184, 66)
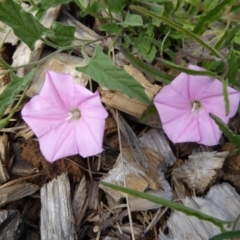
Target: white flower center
(196, 105)
(75, 114)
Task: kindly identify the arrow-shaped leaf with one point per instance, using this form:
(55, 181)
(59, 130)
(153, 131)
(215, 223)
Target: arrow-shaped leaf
(102, 70)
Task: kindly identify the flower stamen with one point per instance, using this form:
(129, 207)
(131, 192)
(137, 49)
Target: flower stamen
(75, 114)
(196, 105)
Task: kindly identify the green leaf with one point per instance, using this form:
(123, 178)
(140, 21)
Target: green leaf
(62, 34)
(226, 235)
(194, 2)
(210, 4)
(25, 25)
(144, 46)
(53, 3)
(230, 36)
(82, 3)
(116, 6)
(102, 70)
(132, 20)
(178, 207)
(93, 9)
(146, 68)
(186, 70)
(212, 15)
(12, 89)
(44, 5)
(233, 138)
(150, 117)
(233, 67)
(110, 28)
(168, 8)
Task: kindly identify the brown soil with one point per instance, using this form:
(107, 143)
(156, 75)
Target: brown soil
(31, 153)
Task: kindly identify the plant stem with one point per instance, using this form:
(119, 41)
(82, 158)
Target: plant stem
(4, 121)
(61, 49)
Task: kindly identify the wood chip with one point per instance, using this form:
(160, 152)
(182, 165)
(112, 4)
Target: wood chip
(4, 158)
(222, 202)
(139, 204)
(16, 191)
(156, 140)
(79, 197)
(135, 176)
(199, 172)
(93, 196)
(10, 224)
(57, 221)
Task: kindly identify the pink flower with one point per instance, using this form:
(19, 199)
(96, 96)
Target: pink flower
(185, 104)
(66, 117)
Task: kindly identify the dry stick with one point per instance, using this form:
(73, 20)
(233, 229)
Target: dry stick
(81, 214)
(155, 219)
(21, 179)
(124, 178)
(83, 167)
(118, 217)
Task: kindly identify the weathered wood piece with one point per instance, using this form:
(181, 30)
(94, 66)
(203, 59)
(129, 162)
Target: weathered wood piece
(16, 191)
(93, 196)
(156, 140)
(23, 54)
(79, 197)
(10, 224)
(135, 176)
(4, 158)
(139, 204)
(11, 38)
(57, 221)
(222, 202)
(200, 171)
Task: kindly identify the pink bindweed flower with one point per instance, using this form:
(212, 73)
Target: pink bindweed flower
(66, 117)
(185, 104)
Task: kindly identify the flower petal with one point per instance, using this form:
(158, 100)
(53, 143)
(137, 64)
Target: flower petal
(58, 90)
(209, 130)
(41, 116)
(169, 96)
(82, 94)
(181, 86)
(184, 128)
(93, 107)
(201, 87)
(60, 141)
(216, 104)
(89, 136)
